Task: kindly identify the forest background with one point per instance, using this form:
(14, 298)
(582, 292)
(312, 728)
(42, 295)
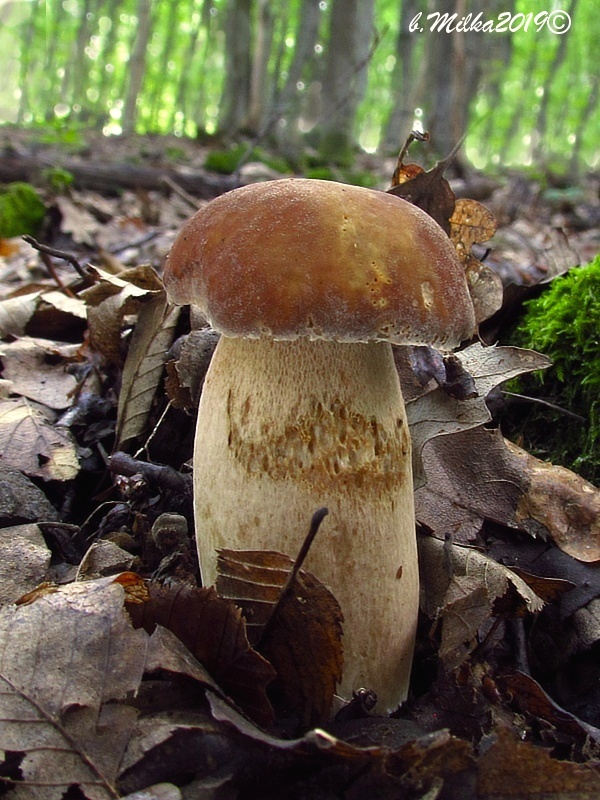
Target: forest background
(331, 75)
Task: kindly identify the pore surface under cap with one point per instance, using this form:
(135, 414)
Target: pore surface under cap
(318, 259)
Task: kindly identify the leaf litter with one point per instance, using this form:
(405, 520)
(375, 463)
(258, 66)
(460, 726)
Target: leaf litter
(184, 696)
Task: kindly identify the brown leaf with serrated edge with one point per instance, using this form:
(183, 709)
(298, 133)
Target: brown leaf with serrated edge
(213, 630)
(304, 643)
(302, 639)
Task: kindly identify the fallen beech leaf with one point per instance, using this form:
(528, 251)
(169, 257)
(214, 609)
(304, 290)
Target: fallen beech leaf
(433, 412)
(29, 442)
(302, 639)
(563, 502)
(113, 298)
(27, 364)
(20, 499)
(144, 365)
(15, 313)
(24, 560)
(531, 699)
(214, 632)
(69, 660)
(512, 769)
(430, 191)
(485, 288)
(471, 223)
(463, 588)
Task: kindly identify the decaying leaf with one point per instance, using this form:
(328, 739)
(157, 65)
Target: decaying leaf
(35, 369)
(24, 560)
(302, 639)
(565, 504)
(143, 369)
(15, 313)
(432, 412)
(213, 630)
(111, 299)
(69, 660)
(512, 768)
(29, 442)
(464, 588)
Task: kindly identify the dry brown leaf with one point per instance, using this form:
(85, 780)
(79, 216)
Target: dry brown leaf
(111, 299)
(563, 502)
(214, 632)
(301, 635)
(15, 313)
(464, 588)
(144, 365)
(21, 500)
(511, 769)
(69, 660)
(36, 376)
(29, 442)
(24, 560)
(435, 413)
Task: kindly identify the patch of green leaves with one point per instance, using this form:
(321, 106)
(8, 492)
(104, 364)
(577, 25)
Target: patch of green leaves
(21, 210)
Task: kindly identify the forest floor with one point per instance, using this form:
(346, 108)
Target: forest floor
(98, 394)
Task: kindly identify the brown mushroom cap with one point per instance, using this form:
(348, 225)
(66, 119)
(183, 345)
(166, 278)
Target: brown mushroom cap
(307, 258)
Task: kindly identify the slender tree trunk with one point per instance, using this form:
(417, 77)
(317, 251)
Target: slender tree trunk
(288, 103)
(348, 50)
(400, 121)
(557, 62)
(137, 65)
(259, 80)
(161, 80)
(236, 91)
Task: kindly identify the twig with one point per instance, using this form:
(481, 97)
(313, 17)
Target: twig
(52, 251)
(177, 189)
(159, 475)
(315, 524)
(546, 403)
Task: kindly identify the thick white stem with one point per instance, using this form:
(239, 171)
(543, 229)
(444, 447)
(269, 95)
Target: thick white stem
(287, 427)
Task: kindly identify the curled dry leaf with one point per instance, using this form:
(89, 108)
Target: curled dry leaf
(29, 442)
(111, 299)
(143, 369)
(214, 632)
(464, 588)
(432, 412)
(301, 635)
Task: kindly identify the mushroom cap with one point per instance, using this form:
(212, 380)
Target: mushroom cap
(306, 258)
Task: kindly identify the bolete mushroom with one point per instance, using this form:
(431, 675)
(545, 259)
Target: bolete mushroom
(309, 282)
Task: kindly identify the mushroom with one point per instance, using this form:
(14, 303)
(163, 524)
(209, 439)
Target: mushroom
(309, 282)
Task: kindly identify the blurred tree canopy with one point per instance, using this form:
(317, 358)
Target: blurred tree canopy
(335, 74)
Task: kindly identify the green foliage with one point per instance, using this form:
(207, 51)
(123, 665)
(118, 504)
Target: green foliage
(564, 323)
(226, 162)
(59, 180)
(21, 210)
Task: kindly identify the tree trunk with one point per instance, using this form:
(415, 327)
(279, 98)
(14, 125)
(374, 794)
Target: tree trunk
(344, 82)
(259, 80)
(400, 121)
(236, 92)
(288, 103)
(137, 65)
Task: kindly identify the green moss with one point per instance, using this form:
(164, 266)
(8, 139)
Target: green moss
(564, 323)
(59, 180)
(226, 162)
(21, 210)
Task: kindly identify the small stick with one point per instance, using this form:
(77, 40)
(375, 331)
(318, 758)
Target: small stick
(315, 524)
(52, 251)
(554, 407)
(176, 189)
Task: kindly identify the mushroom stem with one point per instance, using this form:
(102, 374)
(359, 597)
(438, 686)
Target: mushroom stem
(285, 427)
